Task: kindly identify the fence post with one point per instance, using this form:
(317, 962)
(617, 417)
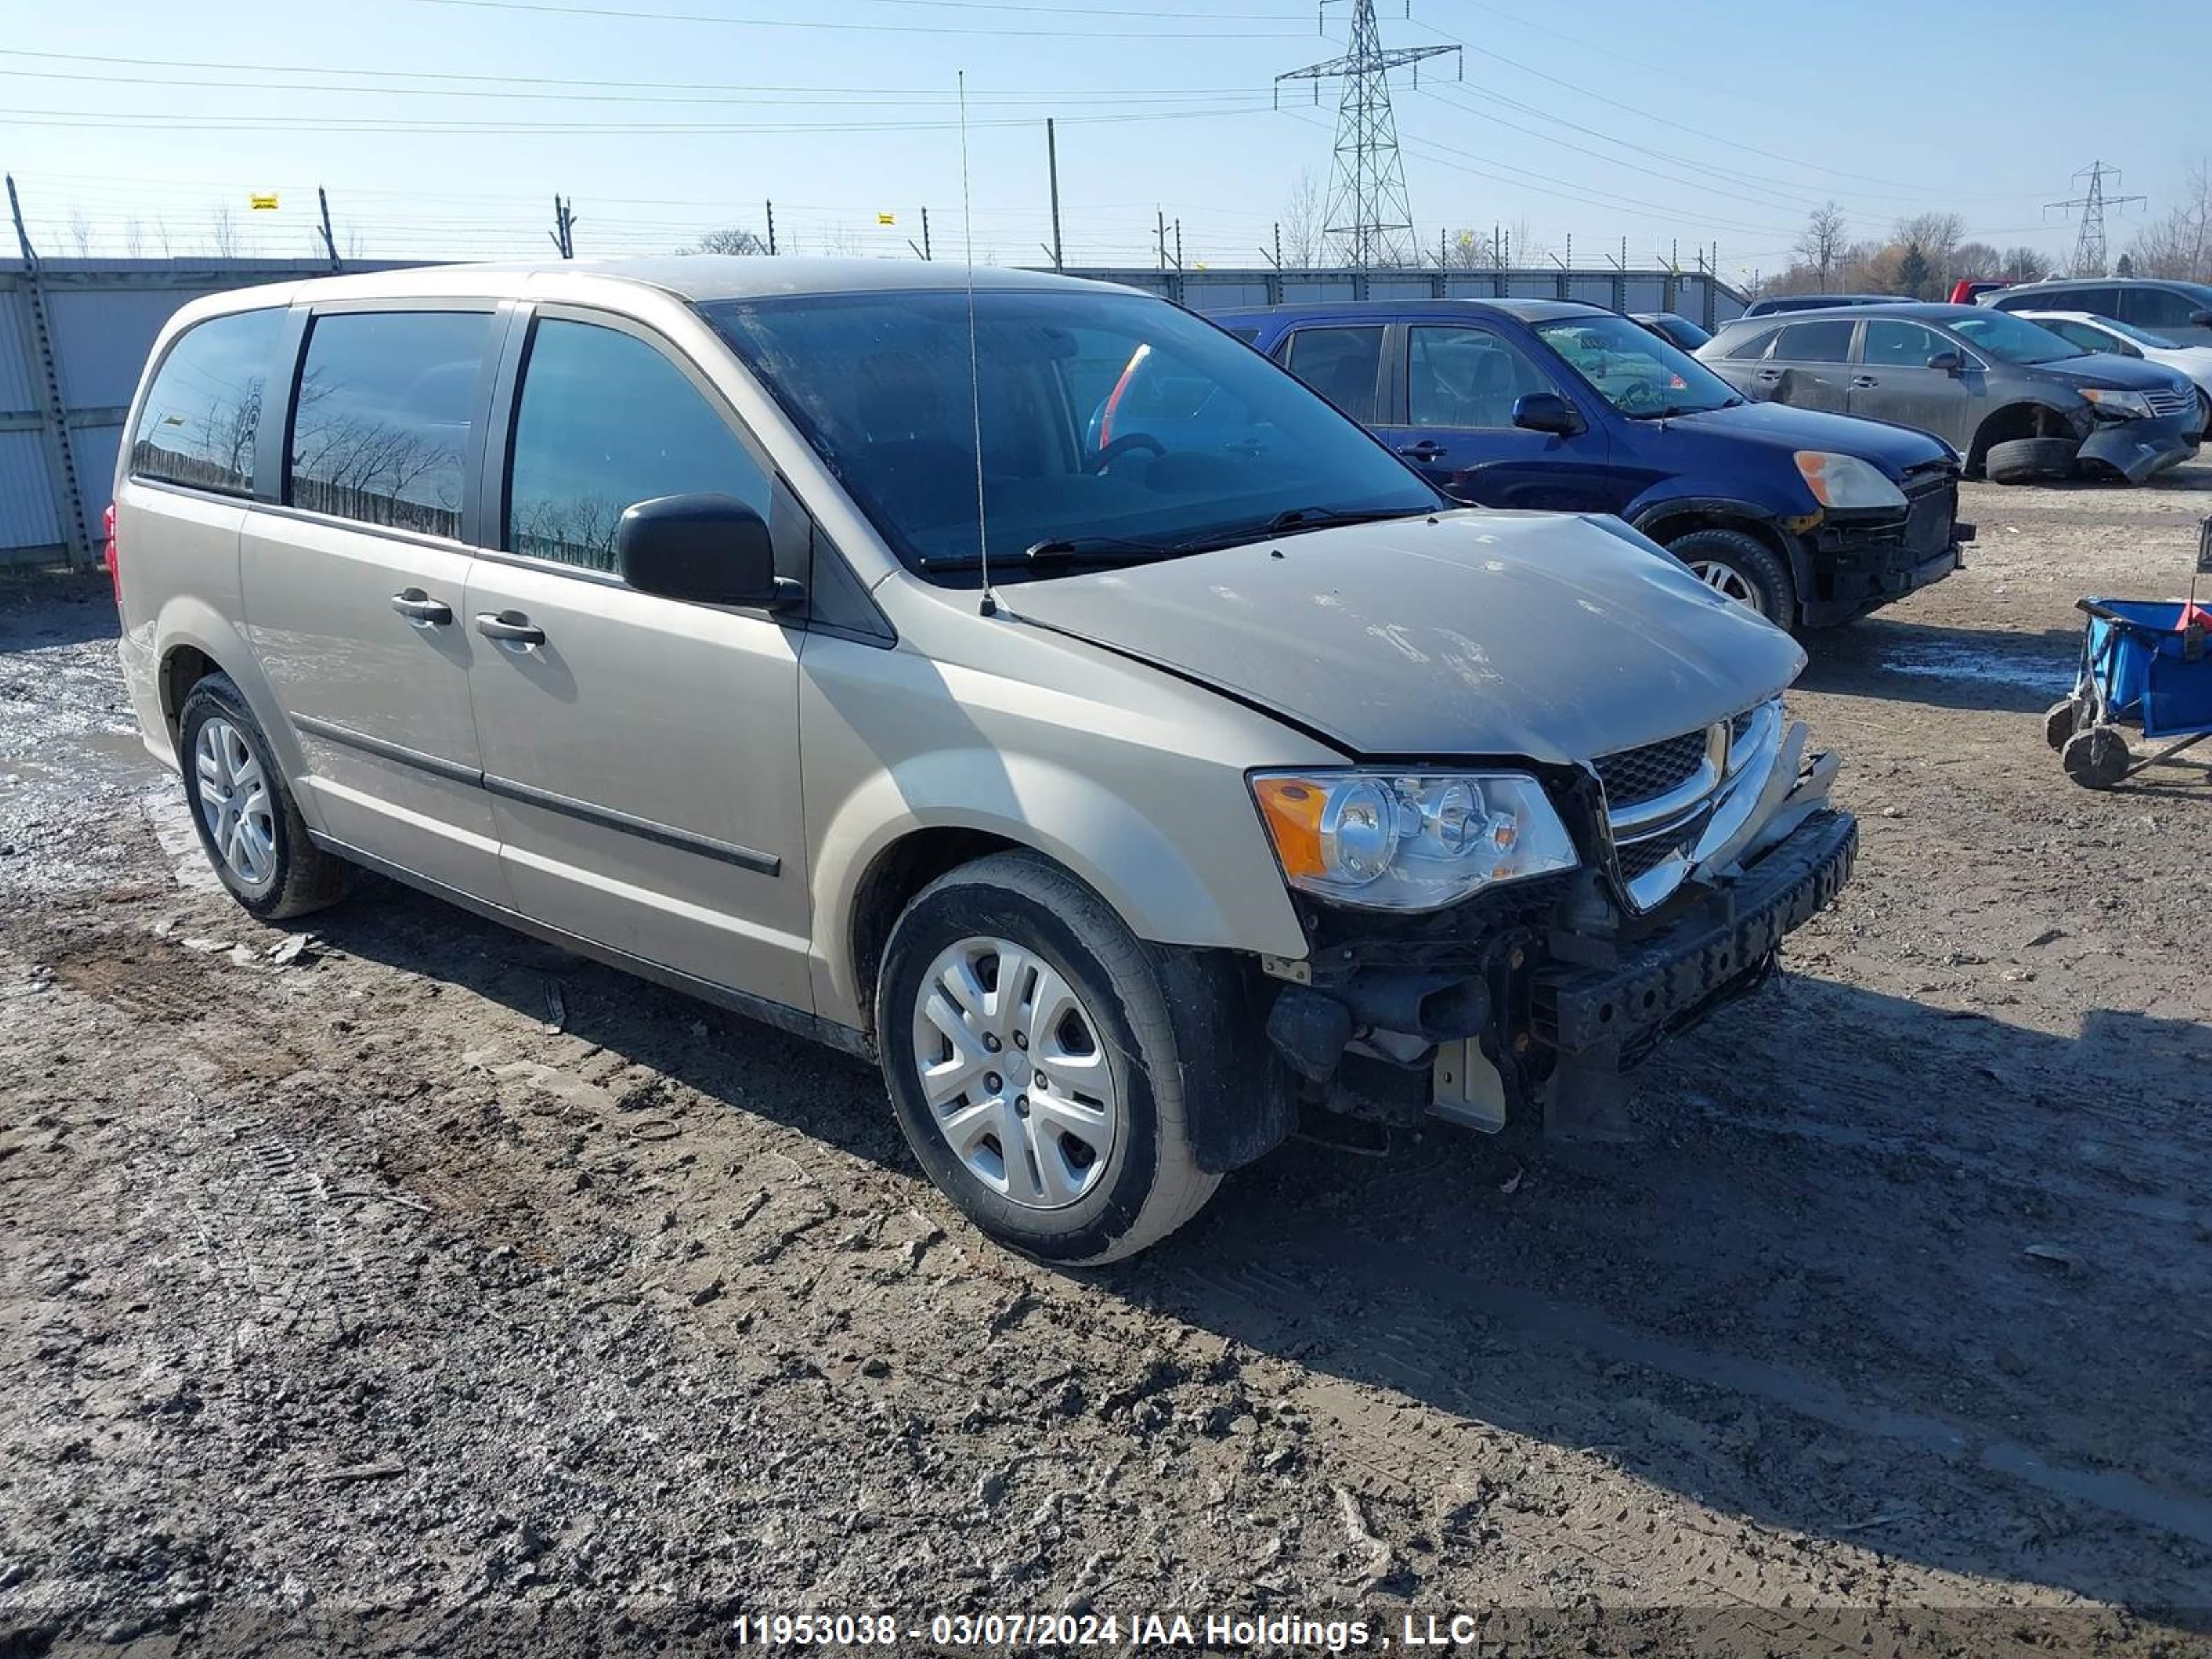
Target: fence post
(47, 397)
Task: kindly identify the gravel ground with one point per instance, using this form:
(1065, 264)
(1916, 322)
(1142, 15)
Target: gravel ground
(405, 1286)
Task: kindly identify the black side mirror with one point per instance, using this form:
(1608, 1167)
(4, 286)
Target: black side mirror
(2200, 320)
(707, 548)
(1951, 363)
(1545, 411)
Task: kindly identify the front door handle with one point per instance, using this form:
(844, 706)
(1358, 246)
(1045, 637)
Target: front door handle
(1769, 375)
(1864, 382)
(420, 608)
(509, 628)
(1427, 450)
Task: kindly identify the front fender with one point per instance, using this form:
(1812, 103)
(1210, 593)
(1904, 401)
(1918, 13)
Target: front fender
(1222, 892)
(1789, 521)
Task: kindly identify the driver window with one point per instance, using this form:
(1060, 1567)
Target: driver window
(1466, 377)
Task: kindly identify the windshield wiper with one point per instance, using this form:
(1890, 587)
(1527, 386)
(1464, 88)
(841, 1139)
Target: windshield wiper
(1301, 518)
(1059, 549)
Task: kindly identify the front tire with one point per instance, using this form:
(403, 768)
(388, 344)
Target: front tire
(249, 825)
(1028, 1051)
(1738, 566)
(2024, 460)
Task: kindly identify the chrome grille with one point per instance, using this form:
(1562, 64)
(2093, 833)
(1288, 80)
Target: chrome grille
(2170, 400)
(1633, 776)
(1640, 858)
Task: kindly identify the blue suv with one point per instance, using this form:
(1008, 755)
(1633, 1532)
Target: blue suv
(1812, 519)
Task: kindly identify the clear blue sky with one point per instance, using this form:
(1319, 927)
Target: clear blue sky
(1689, 121)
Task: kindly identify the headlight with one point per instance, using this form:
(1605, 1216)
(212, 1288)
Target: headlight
(1408, 840)
(2118, 405)
(1846, 482)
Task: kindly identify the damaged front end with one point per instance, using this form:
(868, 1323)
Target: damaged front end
(1699, 855)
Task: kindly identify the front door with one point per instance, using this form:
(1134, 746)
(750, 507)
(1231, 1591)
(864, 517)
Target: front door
(1891, 382)
(641, 753)
(1452, 416)
(354, 589)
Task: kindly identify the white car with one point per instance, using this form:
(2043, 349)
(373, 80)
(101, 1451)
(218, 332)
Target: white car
(2094, 333)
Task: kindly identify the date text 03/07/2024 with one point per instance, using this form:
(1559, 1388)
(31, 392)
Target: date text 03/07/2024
(1020, 1631)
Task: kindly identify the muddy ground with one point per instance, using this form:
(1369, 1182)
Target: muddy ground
(431, 1288)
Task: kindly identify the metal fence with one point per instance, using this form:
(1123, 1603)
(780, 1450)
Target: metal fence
(74, 334)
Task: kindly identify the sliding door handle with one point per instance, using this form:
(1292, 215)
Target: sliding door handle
(509, 628)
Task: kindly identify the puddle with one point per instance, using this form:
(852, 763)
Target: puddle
(1986, 666)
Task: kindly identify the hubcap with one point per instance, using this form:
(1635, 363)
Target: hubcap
(1015, 1073)
(235, 801)
(1726, 581)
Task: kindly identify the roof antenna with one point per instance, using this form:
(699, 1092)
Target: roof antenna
(989, 607)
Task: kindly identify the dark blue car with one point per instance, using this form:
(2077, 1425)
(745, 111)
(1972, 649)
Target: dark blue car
(1813, 519)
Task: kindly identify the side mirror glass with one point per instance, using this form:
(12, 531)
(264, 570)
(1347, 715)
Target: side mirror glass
(1545, 411)
(2200, 320)
(1951, 363)
(706, 548)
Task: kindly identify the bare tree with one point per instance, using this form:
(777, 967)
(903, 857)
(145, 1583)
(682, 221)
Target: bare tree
(161, 232)
(2180, 245)
(222, 229)
(134, 238)
(2022, 264)
(80, 230)
(1467, 249)
(1305, 221)
(731, 239)
(1822, 241)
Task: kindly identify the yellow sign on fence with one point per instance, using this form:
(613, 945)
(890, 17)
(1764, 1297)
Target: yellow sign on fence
(887, 218)
(263, 204)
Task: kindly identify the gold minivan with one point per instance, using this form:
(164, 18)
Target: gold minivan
(1017, 680)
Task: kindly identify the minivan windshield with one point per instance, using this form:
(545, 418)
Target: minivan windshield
(1634, 370)
(2013, 339)
(1114, 428)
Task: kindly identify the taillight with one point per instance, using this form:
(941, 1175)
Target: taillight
(115, 566)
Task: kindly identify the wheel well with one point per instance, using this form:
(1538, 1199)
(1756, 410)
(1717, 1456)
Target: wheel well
(901, 871)
(2015, 420)
(1666, 529)
(181, 670)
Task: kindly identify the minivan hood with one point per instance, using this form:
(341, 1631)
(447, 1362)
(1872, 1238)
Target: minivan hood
(1471, 633)
(1895, 449)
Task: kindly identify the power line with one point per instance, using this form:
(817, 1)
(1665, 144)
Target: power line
(861, 28)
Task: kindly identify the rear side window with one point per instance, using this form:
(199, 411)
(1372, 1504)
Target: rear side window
(202, 412)
(388, 403)
(1755, 346)
(1339, 363)
(1826, 342)
(605, 421)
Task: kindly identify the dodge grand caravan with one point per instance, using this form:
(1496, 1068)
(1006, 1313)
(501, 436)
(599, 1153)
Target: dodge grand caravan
(772, 629)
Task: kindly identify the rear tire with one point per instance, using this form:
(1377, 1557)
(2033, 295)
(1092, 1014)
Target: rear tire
(2024, 460)
(1739, 565)
(249, 825)
(1090, 1166)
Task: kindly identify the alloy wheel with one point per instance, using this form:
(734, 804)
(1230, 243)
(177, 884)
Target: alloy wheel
(235, 802)
(1726, 581)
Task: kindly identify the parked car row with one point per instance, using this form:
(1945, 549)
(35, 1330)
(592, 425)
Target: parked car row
(2016, 400)
(1809, 517)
